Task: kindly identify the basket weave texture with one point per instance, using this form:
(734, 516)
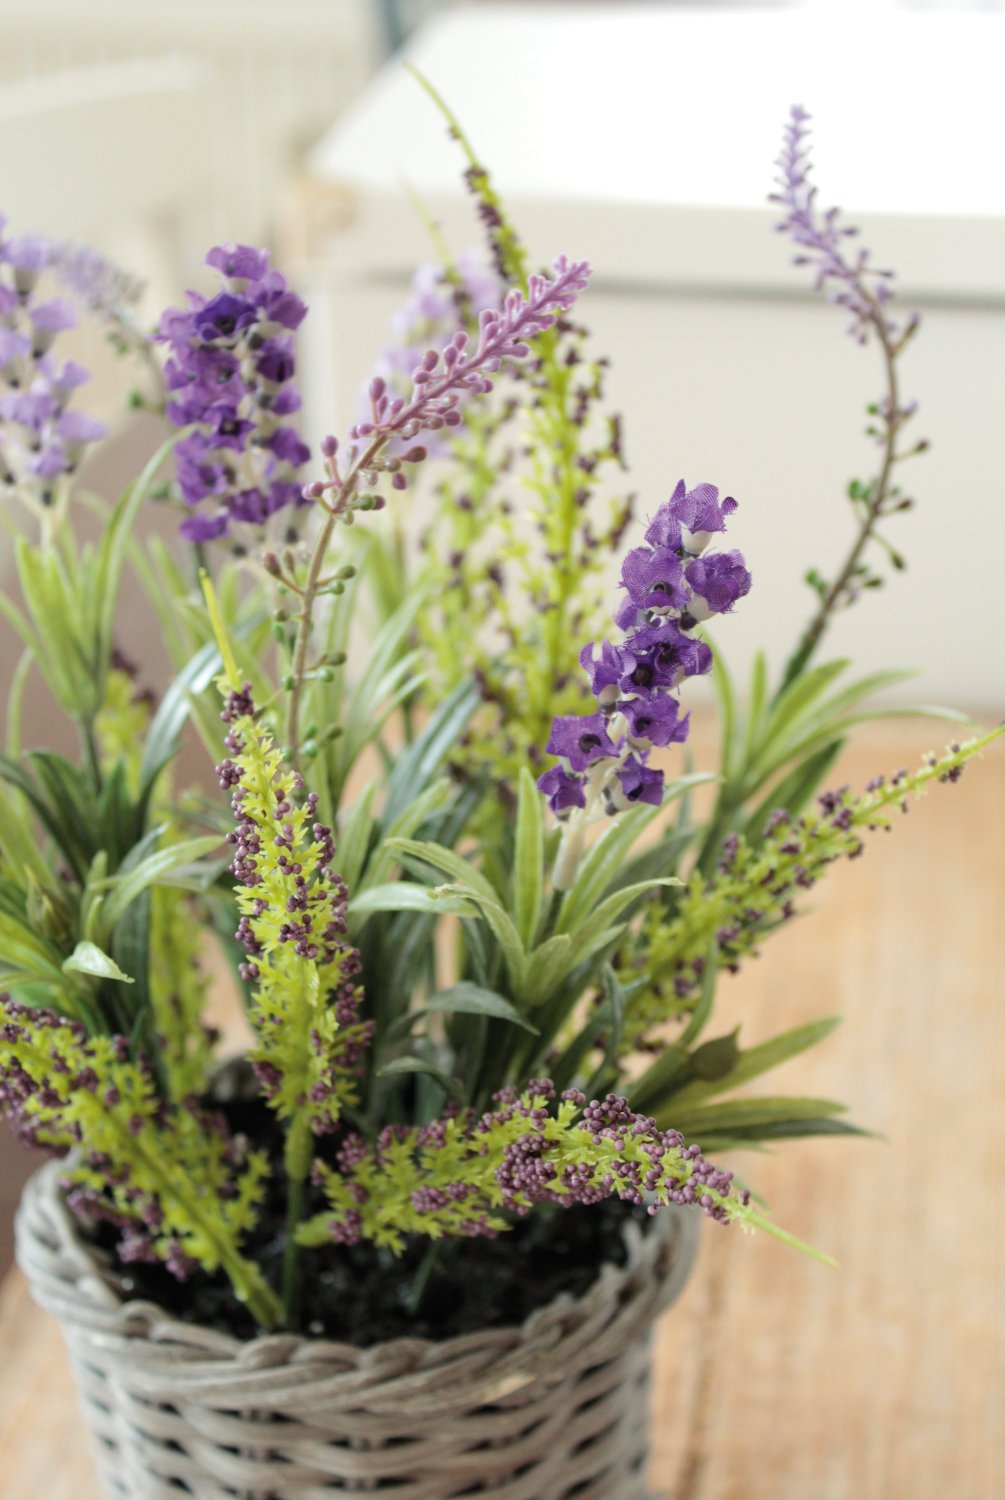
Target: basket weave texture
(555, 1409)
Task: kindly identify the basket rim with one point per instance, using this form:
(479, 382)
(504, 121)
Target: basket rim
(76, 1282)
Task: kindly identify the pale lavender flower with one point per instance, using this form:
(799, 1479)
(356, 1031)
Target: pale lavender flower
(822, 240)
(444, 379)
(40, 440)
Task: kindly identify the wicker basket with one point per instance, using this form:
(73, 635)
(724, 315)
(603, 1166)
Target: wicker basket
(553, 1410)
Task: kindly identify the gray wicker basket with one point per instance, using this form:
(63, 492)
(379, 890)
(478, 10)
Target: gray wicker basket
(553, 1410)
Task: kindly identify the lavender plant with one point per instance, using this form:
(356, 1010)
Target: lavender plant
(461, 1009)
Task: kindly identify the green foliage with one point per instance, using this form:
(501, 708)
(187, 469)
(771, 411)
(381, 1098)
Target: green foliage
(458, 1168)
(752, 890)
(165, 1173)
(178, 994)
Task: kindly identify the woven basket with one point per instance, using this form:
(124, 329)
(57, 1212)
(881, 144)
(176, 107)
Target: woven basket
(553, 1410)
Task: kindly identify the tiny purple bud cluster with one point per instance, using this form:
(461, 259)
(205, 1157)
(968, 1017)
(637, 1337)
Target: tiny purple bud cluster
(230, 375)
(312, 918)
(670, 587)
(624, 1154)
(41, 437)
(435, 308)
(441, 381)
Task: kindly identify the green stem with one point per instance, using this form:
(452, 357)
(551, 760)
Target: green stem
(814, 631)
(298, 1160)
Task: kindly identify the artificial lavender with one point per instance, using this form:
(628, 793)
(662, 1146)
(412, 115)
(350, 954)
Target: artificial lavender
(42, 438)
(670, 585)
(443, 379)
(229, 375)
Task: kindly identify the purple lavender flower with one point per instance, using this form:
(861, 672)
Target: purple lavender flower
(821, 238)
(40, 440)
(442, 381)
(716, 584)
(670, 586)
(580, 739)
(228, 373)
(563, 791)
(688, 519)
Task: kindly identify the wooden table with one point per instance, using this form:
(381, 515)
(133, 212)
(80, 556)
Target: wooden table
(778, 1379)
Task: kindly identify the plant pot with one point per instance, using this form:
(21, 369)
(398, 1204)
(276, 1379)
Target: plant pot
(554, 1409)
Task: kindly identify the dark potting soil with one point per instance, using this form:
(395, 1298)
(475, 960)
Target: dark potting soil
(361, 1295)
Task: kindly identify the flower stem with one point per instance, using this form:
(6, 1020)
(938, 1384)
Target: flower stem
(298, 1157)
(892, 420)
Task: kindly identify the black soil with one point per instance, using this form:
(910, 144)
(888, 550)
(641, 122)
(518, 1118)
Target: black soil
(361, 1295)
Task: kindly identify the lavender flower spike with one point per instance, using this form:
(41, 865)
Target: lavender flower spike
(444, 379)
(671, 584)
(821, 239)
(229, 376)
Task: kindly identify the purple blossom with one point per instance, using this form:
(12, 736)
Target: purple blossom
(104, 288)
(655, 721)
(670, 586)
(654, 578)
(638, 782)
(687, 521)
(822, 240)
(48, 319)
(228, 371)
(239, 262)
(581, 739)
(40, 440)
(563, 791)
(444, 379)
(717, 582)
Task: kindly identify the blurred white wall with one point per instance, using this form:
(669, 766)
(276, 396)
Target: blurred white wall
(643, 137)
(283, 72)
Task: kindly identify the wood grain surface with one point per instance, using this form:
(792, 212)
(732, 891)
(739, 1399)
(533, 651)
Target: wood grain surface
(777, 1378)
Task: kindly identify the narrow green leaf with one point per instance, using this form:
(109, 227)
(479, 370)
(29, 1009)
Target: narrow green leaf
(601, 864)
(731, 1114)
(406, 895)
(528, 871)
(472, 999)
(152, 871)
(548, 966)
(416, 853)
(401, 1065)
(753, 1061)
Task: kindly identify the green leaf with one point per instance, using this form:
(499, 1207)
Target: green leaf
(152, 871)
(417, 854)
(755, 706)
(162, 737)
(713, 1060)
(472, 999)
(528, 873)
(608, 911)
(797, 698)
(406, 895)
(600, 865)
(504, 932)
(754, 1061)
(421, 762)
(88, 958)
(401, 1065)
(795, 790)
(733, 1114)
(355, 836)
(548, 966)
(726, 697)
